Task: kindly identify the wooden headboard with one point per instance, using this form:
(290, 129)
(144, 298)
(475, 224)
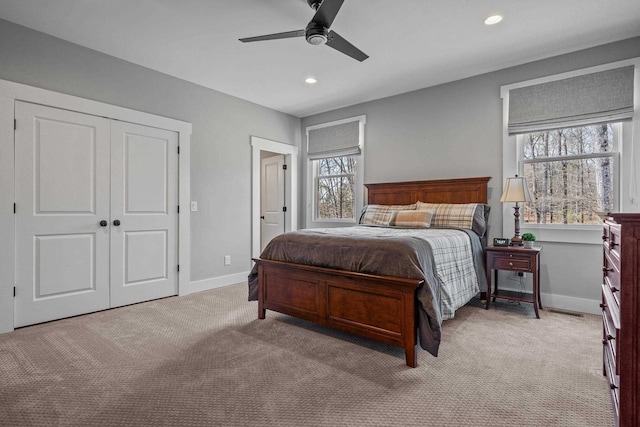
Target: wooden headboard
(458, 190)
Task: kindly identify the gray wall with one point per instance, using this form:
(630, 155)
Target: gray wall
(220, 144)
(455, 130)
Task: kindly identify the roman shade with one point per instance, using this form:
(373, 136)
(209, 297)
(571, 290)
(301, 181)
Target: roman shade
(602, 97)
(334, 141)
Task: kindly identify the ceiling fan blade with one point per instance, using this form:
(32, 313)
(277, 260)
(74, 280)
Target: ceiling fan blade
(285, 35)
(327, 12)
(336, 41)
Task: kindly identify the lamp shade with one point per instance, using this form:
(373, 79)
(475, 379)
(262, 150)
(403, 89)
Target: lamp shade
(516, 190)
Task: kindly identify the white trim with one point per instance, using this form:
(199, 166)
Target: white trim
(362, 119)
(563, 302)
(291, 183)
(9, 93)
(218, 282)
(7, 232)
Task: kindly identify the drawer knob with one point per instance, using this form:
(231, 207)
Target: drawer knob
(614, 289)
(613, 386)
(511, 264)
(603, 306)
(613, 244)
(604, 237)
(610, 337)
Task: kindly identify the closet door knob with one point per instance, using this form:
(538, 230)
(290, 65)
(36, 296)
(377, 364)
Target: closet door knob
(103, 223)
(116, 222)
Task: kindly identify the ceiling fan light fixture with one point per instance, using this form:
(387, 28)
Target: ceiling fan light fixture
(311, 80)
(493, 19)
(317, 39)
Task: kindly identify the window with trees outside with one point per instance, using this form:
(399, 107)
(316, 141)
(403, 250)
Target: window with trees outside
(335, 172)
(335, 181)
(571, 173)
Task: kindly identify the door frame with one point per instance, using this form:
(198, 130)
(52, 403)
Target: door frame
(291, 186)
(11, 92)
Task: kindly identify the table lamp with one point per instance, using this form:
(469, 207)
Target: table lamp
(516, 190)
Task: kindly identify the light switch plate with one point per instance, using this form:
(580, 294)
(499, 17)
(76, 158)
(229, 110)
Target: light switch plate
(194, 206)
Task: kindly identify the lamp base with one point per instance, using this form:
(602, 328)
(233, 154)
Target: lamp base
(516, 241)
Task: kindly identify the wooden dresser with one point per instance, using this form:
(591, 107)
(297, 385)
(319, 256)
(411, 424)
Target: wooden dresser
(621, 314)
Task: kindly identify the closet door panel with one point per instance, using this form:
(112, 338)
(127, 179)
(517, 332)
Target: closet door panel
(62, 194)
(144, 202)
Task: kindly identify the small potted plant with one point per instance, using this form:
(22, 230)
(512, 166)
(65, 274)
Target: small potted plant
(528, 239)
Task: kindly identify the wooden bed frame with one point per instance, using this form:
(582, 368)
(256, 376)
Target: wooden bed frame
(378, 307)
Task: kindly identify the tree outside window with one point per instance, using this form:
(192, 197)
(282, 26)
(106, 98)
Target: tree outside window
(570, 174)
(335, 187)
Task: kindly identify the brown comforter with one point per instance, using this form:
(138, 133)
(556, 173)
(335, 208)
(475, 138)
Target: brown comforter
(391, 255)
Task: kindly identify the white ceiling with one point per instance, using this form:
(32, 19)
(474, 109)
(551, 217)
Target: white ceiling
(412, 44)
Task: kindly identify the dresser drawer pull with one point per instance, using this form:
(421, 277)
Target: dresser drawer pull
(604, 237)
(613, 244)
(605, 269)
(603, 306)
(511, 264)
(614, 289)
(610, 337)
(613, 386)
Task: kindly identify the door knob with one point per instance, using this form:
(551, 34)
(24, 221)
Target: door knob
(103, 223)
(262, 217)
(116, 222)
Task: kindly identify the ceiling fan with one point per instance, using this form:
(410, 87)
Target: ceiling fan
(317, 31)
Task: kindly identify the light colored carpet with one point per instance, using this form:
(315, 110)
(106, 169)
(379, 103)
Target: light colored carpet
(206, 360)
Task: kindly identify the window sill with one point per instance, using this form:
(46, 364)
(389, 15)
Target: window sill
(558, 233)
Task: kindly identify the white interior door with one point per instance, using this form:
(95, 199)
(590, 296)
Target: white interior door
(62, 195)
(144, 217)
(271, 199)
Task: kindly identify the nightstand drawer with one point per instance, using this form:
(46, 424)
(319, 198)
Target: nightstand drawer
(512, 263)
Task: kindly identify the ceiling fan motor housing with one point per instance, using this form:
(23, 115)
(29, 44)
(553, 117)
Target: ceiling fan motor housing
(315, 4)
(316, 34)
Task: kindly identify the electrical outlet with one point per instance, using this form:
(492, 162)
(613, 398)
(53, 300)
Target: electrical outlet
(227, 260)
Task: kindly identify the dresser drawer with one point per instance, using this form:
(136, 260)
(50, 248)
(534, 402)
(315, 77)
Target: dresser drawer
(610, 335)
(512, 262)
(614, 381)
(613, 243)
(611, 274)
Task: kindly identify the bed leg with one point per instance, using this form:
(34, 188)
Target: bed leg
(410, 355)
(261, 311)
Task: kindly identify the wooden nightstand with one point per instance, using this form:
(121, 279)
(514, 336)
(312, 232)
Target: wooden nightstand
(514, 258)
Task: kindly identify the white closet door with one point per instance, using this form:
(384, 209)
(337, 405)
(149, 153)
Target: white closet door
(144, 218)
(62, 195)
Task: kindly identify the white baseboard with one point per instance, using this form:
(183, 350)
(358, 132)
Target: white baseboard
(563, 302)
(217, 282)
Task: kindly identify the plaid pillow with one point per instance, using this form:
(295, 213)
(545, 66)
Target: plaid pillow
(381, 214)
(418, 219)
(472, 216)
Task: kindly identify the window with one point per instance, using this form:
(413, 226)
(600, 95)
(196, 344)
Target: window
(571, 173)
(335, 172)
(335, 187)
(554, 137)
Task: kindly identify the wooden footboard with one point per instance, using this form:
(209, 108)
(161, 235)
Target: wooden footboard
(382, 308)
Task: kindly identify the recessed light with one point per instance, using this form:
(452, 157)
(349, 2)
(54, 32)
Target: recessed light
(310, 80)
(493, 19)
